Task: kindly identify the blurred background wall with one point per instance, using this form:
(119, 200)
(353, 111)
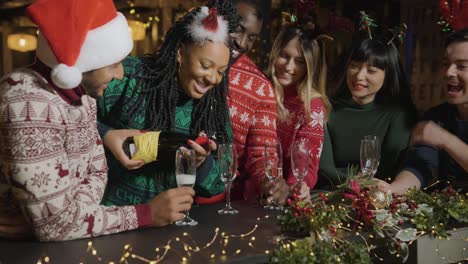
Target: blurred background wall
(150, 19)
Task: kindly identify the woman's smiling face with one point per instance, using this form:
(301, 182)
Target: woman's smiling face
(364, 81)
(290, 66)
(202, 67)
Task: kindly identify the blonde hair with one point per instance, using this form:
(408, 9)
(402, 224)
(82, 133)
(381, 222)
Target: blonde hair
(313, 84)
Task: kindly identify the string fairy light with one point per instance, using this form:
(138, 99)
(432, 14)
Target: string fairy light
(223, 239)
(45, 259)
(189, 245)
(449, 259)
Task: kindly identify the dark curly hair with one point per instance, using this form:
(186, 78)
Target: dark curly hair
(457, 36)
(158, 83)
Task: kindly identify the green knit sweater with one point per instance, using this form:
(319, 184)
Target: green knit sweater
(138, 186)
(348, 124)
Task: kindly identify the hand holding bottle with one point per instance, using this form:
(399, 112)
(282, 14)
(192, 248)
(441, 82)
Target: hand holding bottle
(114, 139)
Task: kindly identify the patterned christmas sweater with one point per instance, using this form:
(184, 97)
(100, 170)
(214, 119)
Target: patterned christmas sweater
(136, 186)
(252, 105)
(299, 127)
(53, 171)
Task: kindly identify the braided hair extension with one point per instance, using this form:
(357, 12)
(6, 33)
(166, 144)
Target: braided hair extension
(157, 81)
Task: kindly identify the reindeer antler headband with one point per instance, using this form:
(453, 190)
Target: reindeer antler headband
(303, 13)
(366, 23)
(454, 14)
(399, 33)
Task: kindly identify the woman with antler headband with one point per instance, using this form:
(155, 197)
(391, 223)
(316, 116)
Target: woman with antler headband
(298, 71)
(372, 98)
(180, 88)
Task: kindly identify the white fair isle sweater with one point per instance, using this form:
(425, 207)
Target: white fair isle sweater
(53, 170)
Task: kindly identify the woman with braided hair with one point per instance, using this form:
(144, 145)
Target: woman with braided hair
(181, 88)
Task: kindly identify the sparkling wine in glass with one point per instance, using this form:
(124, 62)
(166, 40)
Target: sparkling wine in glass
(273, 164)
(370, 155)
(300, 159)
(227, 160)
(185, 165)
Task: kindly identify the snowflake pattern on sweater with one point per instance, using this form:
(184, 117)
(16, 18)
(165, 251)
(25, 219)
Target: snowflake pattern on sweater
(53, 170)
(299, 128)
(252, 104)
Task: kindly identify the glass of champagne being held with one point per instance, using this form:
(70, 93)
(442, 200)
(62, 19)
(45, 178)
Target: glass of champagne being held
(300, 160)
(273, 164)
(185, 166)
(370, 155)
(227, 159)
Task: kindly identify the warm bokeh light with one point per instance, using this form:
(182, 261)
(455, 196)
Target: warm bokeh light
(137, 30)
(22, 42)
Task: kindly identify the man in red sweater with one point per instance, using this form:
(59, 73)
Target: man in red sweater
(252, 104)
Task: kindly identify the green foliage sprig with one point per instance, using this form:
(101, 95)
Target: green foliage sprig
(366, 23)
(311, 251)
(437, 211)
(395, 221)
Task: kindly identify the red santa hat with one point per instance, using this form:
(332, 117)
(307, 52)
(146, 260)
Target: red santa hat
(77, 36)
(207, 25)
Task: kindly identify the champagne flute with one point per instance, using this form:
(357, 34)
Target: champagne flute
(185, 165)
(227, 160)
(273, 162)
(370, 155)
(300, 160)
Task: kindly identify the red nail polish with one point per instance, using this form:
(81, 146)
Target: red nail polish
(143, 130)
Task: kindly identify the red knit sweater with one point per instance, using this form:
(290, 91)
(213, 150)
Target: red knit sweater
(252, 105)
(296, 128)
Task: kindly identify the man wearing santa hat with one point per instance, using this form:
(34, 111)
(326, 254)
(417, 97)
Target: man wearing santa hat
(53, 172)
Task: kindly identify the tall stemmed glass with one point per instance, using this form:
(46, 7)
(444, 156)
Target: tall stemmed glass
(300, 160)
(227, 160)
(273, 163)
(370, 155)
(185, 166)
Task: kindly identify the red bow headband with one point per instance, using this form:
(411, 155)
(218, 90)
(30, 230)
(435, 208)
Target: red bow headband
(207, 25)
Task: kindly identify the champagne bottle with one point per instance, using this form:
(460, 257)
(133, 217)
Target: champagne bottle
(169, 142)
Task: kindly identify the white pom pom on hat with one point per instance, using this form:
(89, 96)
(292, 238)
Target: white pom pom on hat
(77, 36)
(208, 25)
(65, 76)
